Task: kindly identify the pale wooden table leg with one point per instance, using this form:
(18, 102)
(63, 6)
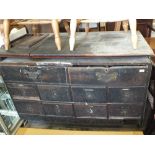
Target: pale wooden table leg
(6, 27)
(117, 26)
(66, 26)
(87, 27)
(35, 29)
(55, 26)
(73, 24)
(125, 25)
(133, 28)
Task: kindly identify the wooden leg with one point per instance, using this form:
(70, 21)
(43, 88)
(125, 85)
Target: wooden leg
(133, 28)
(66, 25)
(73, 24)
(55, 26)
(125, 25)
(99, 26)
(1, 28)
(6, 27)
(35, 29)
(117, 26)
(87, 28)
(103, 25)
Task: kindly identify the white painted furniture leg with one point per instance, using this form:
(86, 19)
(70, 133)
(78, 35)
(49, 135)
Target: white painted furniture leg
(6, 27)
(55, 26)
(73, 24)
(133, 28)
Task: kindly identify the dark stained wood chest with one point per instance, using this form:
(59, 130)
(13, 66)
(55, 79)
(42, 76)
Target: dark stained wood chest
(106, 88)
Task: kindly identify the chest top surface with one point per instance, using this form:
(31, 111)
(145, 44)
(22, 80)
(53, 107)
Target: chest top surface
(93, 44)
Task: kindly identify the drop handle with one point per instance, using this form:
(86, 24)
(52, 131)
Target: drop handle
(54, 94)
(57, 108)
(91, 110)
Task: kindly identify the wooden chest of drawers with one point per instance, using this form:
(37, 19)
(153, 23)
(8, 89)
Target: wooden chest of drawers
(104, 82)
(104, 92)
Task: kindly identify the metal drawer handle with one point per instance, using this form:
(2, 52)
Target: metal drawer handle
(91, 111)
(57, 109)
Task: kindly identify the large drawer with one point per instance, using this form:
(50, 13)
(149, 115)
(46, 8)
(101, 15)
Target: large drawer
(23, 91)
(112, 76)
(89, 94)
(123, 111)
(58, 109)
(127, 95)
(54, 93)
(34, 74)
(90, 110)
(29, 107)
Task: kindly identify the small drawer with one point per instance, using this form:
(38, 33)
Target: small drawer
(87, 75)
(23, 91)
(54, 93)
(29, 107)
(34, 74)
(88, 94)
(127, 95)
(123, 111)
(90, 110)
(58, 109)
(129, 75)
(112, 76)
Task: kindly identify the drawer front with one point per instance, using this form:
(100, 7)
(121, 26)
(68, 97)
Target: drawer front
(58, 109)
(127, 95)
(29, 107)
(88, 94)
(114, 76)
(87, 110)
(54, 93)
(122, 111)
(34, 74)
(23, 91)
